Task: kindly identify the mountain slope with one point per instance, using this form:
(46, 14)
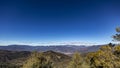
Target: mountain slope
(66, 49)
(18, 58)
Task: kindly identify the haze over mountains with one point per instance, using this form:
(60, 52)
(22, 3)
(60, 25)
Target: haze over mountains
(67, 49)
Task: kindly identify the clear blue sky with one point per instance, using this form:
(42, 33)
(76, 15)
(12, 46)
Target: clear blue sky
(51, 21)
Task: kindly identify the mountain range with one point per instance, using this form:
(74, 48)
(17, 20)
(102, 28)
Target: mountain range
(66, 49)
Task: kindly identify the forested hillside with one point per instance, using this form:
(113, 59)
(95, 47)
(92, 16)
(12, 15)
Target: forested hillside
(107, 56)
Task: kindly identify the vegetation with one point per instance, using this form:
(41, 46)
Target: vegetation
(78, 62)
(37, 60)
(116, 37)
(108, 56)
(104, 58)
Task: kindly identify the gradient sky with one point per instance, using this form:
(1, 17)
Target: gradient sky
(58, 21)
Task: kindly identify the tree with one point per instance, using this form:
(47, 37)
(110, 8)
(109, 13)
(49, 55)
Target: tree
(77, 62)
(104, 58)
(38, 60)
(116, 37)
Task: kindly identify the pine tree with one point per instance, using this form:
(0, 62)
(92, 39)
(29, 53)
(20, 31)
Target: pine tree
(116, 37)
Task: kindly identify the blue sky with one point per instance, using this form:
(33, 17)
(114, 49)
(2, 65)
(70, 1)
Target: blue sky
(38, 22)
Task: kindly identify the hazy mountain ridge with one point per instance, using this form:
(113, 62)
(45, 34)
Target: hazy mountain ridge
(59, 48)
